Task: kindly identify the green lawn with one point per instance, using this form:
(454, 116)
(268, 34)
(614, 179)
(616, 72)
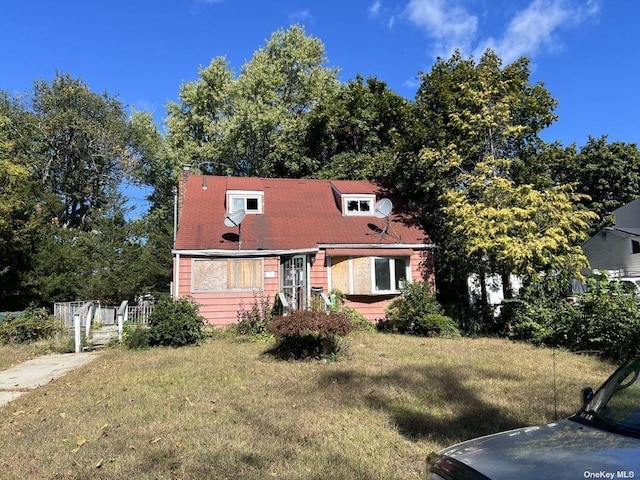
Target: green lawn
(228, 410)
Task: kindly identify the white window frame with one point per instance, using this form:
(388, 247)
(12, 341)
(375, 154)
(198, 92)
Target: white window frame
(392, 273)
(372, 266)
(370, 199)
(245, 195)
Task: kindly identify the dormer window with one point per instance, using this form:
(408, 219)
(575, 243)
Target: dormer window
(249, 201)
(358, 204)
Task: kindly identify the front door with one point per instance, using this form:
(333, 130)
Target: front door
(294, 281)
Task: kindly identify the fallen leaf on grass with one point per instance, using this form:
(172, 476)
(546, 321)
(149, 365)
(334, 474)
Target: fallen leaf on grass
(99, 464)
(81, 441)
(156, 440)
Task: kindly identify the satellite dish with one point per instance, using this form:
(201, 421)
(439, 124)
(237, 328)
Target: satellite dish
(383, 208)
(234, 219)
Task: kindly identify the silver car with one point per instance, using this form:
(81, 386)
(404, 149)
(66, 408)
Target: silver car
(601, 441)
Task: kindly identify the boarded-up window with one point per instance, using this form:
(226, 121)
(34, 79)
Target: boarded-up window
(362, 276)
(340, 274)
(219, 275)
(369, 275)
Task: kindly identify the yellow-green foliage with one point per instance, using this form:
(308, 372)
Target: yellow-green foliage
(518, 227)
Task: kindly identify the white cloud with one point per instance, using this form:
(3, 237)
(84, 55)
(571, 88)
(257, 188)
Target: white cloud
(374, 9)
(532, 30)
(198, 5)
(301, 16)
(536, 28)
(449, 25)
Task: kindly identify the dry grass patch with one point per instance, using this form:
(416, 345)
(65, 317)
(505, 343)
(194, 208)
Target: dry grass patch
(227, 410)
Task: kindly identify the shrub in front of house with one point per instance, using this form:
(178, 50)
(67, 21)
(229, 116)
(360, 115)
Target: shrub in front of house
(309, 334)
(176, 323)
(28, 326)
(417, 312)
(254, 320)
(136, 337)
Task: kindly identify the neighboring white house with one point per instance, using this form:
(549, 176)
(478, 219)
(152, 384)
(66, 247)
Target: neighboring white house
(617, 249)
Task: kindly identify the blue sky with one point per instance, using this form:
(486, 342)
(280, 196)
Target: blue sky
(585, 51)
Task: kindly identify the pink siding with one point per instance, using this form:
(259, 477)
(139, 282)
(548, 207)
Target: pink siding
(221, 309)
(318, 276)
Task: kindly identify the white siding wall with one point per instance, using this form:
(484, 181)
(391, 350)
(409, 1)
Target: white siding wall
(628, 215)
(609, 251)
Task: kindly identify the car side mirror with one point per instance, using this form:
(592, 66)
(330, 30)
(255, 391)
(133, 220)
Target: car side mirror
(587, 394)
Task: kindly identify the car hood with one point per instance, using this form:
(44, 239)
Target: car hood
(560, 450)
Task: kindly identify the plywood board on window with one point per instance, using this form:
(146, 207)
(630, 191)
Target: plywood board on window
(244, 274)
(340, 274)
(209, 275)
(362, 276)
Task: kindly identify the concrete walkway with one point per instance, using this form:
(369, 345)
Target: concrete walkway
(37, 372)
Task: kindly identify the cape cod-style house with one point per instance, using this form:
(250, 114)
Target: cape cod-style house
(242, 238)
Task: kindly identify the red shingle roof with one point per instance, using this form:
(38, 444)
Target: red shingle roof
(297, 214)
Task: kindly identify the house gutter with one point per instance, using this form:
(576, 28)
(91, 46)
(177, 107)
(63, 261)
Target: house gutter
(244, 253)
(369, 246)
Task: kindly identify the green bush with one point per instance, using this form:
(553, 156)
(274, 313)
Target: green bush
(605, 320)
(359, 321)
(28, 326)
(176, 323)
(309, 334)
(254, 321)
(136, 337)
(417, 312)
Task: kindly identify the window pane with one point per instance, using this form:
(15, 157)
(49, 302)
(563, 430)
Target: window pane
(401, 272)
(252, 204)
(237, 203)
(365, 206)
(383, 274)
(352, 206)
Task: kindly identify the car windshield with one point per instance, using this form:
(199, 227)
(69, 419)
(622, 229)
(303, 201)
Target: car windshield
(616, 405)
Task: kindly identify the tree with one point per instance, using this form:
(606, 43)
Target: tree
(254, 124)
(82, 143)
(21, 207)
(354, 134)
(607, 172)
(469, 114)
(513, 228)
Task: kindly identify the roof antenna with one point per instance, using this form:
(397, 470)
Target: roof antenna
(234, 219)
(383, 210)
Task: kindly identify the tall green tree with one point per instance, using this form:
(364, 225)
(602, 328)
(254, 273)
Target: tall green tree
(516, 229)
(22, 205)
(608, 173)
(82, 143)
(469, 113)
(254, 124)
(354, 135)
